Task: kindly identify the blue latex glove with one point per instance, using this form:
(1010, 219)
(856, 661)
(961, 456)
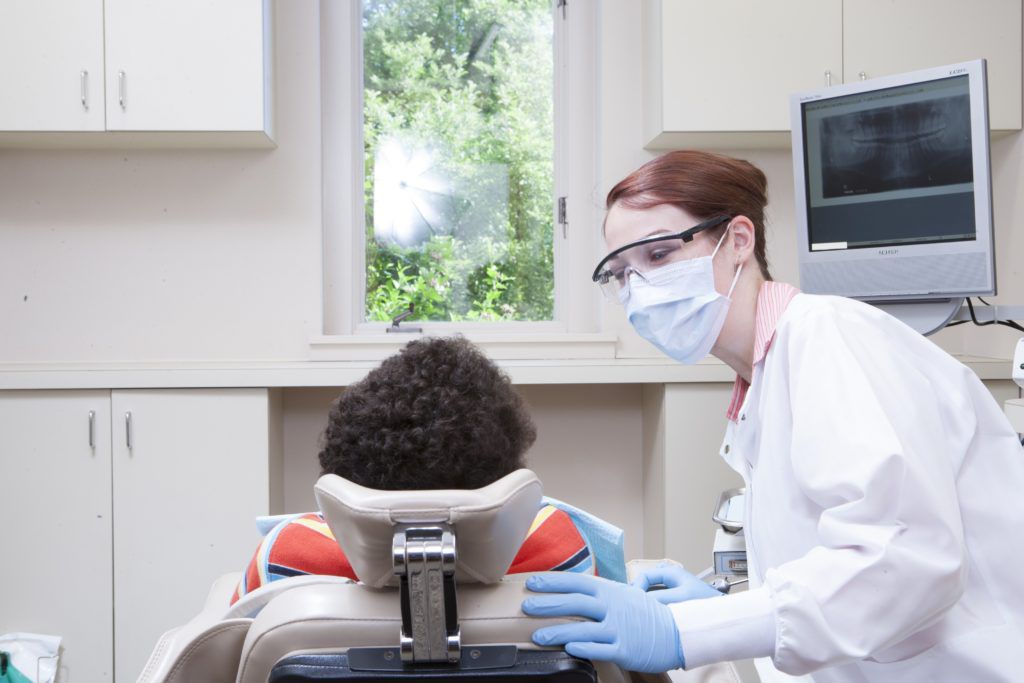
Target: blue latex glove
(680, 585)
(629, 626)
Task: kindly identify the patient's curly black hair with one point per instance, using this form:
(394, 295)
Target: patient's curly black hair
(437, 415)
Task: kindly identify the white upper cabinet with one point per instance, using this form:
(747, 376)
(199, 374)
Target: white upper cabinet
(143, 68)
(188, 65)
(730, 65)
(882, 37)
(51, 65)
(719, 74)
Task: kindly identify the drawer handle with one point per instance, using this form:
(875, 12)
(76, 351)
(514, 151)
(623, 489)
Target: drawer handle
(84, 78)
(122, 89)
(128, 429)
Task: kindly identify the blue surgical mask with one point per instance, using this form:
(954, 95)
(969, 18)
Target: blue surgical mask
(677, 308)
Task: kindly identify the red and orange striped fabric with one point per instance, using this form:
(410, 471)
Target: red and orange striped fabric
(304, 544)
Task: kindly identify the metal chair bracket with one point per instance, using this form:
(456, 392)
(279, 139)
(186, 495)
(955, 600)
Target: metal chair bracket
(423, 557)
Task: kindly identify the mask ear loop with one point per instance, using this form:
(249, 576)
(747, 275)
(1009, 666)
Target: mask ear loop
(739, 269)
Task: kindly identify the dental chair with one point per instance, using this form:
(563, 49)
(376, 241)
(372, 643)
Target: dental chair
(432, 602)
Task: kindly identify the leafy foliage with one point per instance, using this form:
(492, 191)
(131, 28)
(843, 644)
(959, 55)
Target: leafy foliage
(472, 81)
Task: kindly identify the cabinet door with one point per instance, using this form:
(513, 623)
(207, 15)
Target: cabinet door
(731, 65)
(884, 37)
(187, 490)
(55, 510)
(185, 65)
(51, 52)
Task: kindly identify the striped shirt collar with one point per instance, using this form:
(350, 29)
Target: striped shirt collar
(772, 301)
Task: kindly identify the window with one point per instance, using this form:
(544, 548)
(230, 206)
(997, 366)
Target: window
(446, 150)
(458, 132)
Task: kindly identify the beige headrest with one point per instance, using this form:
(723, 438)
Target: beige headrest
(490, 523)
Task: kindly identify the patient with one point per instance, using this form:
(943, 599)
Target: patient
(437, 415)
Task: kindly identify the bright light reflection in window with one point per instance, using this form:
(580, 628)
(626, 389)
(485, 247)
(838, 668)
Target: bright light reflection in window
(412, 200)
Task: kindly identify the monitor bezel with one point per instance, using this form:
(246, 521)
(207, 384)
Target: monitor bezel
(975, 70)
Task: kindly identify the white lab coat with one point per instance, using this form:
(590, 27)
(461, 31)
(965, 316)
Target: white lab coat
(885, 511)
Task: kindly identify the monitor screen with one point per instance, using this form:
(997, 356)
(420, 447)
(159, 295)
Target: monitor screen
(890, 167)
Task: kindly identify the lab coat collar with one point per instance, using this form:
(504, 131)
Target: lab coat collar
(772, 301)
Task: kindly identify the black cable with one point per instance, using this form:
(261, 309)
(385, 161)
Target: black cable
(974, 319)
(982, 300)
(1006, 323)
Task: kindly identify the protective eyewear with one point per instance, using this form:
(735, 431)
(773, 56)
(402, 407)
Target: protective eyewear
(636, 258)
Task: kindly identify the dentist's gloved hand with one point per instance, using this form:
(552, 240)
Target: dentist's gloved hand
(629, 626)
(680, 585)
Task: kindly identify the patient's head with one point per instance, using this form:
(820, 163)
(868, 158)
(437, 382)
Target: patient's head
(437, 415)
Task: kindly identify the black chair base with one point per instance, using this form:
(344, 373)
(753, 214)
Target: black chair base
(531, 666)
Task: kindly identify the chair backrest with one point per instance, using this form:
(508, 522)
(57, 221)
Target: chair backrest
(335, 619)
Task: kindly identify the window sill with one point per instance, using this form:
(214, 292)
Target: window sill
(498, 346)
(304, 373)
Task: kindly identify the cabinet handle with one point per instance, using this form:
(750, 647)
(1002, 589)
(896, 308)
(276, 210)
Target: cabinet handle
(84, 77)
(828, 78)
(122, 90)
(92, 429)
(863, 75)
(128, 429)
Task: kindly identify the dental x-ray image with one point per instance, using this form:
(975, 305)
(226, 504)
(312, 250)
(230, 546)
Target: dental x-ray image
(913, 145)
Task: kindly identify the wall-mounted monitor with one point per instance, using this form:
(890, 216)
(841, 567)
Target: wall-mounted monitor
(893, 188)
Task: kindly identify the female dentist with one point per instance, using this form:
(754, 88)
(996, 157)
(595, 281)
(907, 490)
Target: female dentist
(884, 529)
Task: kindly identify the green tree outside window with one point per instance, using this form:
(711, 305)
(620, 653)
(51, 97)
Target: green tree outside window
(459, 147)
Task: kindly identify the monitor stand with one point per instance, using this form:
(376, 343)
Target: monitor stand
(927, 316)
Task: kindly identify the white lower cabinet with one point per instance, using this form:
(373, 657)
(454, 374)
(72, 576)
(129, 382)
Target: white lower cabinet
(115, 526)
(55, 525)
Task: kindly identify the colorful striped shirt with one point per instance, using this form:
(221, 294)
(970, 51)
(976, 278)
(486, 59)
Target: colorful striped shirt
(303, 544)
(772, 301)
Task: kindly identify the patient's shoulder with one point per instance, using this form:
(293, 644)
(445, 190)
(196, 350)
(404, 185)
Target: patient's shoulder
(296, 546)
(554, 543)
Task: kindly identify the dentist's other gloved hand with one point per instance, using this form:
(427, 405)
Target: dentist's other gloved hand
(629, 626)
(680, 585)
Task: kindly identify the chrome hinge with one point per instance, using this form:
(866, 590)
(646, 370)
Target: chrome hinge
(561, 5)
(563, 218)
(423, 557)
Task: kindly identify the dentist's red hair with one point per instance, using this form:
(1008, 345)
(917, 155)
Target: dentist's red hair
(704, 185)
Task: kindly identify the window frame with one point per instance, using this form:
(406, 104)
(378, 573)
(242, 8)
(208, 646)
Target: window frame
(577, 300)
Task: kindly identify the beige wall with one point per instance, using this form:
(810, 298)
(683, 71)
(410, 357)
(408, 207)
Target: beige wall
(137, 255)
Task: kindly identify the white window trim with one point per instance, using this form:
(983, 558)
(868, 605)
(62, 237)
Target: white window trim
(576, 311)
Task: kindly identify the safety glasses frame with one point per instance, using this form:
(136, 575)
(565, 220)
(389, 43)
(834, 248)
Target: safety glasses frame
(601, 277)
